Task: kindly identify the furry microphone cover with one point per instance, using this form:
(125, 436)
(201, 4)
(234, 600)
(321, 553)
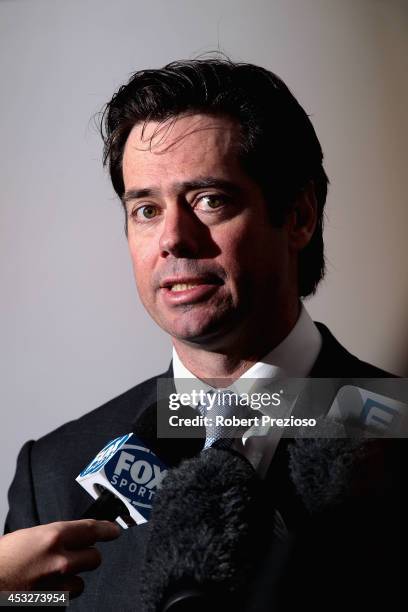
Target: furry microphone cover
(200, 532)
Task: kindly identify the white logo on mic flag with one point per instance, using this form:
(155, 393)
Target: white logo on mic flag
(141, 472)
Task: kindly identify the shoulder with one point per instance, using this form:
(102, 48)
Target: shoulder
(119, 412)
(334, 361)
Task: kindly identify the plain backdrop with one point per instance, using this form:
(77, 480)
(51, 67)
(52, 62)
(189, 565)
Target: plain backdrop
(73, 333)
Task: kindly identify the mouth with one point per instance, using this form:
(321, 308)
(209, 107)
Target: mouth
(189, 290)
(186, 283)
(183, 286)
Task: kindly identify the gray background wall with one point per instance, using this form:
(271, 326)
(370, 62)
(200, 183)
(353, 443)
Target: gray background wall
(73, 333)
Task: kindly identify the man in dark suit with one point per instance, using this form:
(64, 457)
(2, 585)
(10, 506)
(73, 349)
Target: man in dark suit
(221, 178)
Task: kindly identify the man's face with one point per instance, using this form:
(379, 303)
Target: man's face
(207, 261)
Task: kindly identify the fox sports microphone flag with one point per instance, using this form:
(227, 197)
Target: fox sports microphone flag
(129, 470)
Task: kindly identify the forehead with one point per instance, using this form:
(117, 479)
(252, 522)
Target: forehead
(181, 145)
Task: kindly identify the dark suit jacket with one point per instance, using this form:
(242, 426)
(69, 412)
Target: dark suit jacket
(44, 487)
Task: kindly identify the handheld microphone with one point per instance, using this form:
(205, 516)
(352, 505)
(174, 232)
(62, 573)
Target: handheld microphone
(210, 527)
(126, 474)
(329, 469)
(195, 553)
(330, 473)
(351, 488)
(346, 457)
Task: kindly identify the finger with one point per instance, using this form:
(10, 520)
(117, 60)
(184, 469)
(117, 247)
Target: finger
(85, 532)
(107, 531)
(76, 561)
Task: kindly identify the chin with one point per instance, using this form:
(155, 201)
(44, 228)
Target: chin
(193, 335)
(209, 333)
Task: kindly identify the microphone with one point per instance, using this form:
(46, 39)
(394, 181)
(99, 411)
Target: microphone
(126, 474)
(345, 456)
(329, 473)
(348, 489)
(332, 468)
(203, 543)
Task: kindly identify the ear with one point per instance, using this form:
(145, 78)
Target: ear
(302, 218)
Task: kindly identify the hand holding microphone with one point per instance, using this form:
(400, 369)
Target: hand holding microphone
(49, 557)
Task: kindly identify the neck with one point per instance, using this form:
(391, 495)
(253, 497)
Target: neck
(231, 356)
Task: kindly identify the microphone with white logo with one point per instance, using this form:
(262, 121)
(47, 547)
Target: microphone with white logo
(126, 474)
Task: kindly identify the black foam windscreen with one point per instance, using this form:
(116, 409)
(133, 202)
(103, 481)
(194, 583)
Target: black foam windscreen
(199, 544)
(331, 468)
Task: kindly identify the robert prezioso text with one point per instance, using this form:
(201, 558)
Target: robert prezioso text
(234, 421)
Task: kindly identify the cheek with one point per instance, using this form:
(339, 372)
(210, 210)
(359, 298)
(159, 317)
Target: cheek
(236, 258)
(253, 255)
(240, 244)
(142, 267)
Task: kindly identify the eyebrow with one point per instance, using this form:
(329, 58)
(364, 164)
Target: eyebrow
(183, 186)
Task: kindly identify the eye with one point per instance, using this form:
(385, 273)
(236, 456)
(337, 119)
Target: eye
(210, 201)
(146, 212)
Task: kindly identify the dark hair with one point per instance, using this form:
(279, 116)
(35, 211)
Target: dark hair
(279, 147)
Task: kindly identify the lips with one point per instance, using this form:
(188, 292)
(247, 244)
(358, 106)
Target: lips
(189, 290)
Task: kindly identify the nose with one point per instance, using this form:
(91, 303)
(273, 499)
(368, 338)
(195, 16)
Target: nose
(181, 233)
